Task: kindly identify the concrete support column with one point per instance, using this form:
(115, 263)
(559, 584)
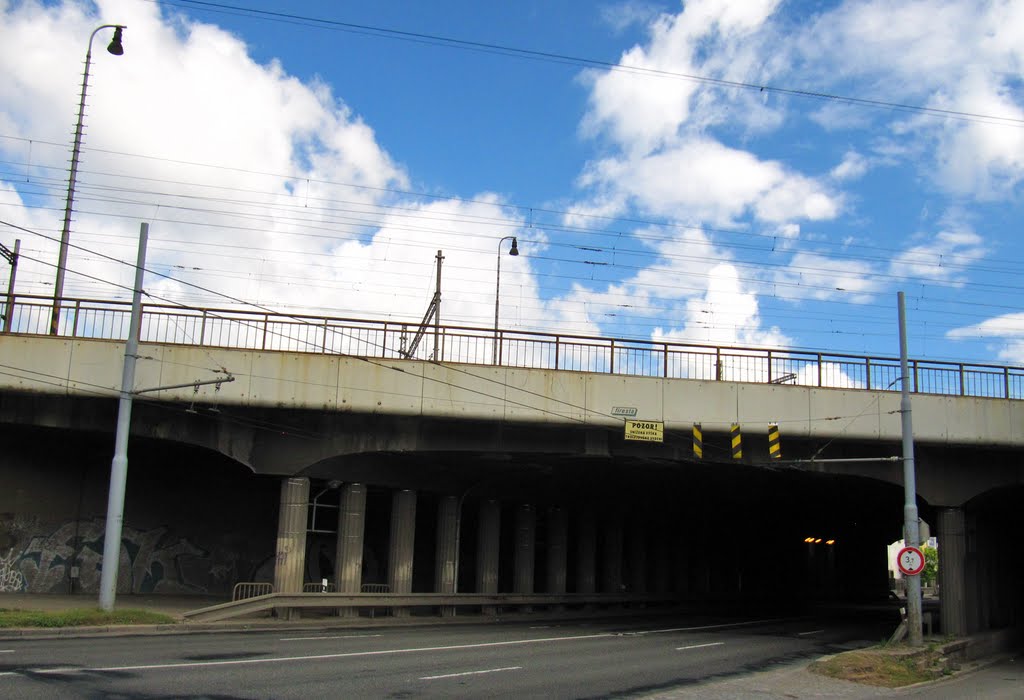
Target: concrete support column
(525, 556)
(638, 558)
(488, 543)
(290, 566)
(557, 555)
(402, 544)
(446, 549)
(611, 574)
(586, 553)
(952, 571)
(348, 567)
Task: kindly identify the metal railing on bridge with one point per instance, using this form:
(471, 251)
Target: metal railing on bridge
(252, 330)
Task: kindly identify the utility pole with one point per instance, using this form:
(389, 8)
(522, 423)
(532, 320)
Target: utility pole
(12, 258)
(437, 310)
(433, 312)
(911, 532)
(119, 465)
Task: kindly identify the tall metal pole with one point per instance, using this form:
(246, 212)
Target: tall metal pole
(62, 256)
(911, 533)
(13, 259)
(514, 250)
(437, 310)
(119, 465)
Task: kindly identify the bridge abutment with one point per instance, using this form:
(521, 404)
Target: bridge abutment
(952, 538)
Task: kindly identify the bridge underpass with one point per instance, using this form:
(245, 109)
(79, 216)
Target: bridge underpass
(713, 532)
(207, 472)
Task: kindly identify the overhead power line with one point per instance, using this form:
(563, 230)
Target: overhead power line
(502, 49)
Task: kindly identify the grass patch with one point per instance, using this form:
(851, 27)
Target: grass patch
(890, 666)
(79, 617)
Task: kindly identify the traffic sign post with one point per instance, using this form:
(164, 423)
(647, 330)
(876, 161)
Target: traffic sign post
(910, 561)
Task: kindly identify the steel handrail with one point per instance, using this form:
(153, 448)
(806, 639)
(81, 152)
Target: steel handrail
(107, 319)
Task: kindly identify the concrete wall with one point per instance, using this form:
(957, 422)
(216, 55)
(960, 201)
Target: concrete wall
(194, 523)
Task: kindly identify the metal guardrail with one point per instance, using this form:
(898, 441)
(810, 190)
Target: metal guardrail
(484, 601)
(240, 329)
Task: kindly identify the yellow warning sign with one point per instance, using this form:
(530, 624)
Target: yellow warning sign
(645, 430)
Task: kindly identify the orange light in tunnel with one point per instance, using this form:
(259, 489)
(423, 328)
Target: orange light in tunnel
(830, 541)
(817, 541)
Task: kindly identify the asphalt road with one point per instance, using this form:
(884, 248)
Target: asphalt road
(593, 659)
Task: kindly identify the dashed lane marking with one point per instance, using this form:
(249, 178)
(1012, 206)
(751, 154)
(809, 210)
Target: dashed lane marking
(338, 636)
(700, 646)
(470, 673)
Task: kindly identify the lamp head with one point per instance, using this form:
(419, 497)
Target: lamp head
(514, 250)
(115, 46)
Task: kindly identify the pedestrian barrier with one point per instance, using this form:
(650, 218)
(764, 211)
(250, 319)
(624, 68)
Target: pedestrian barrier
(250, 589)
(376, 588)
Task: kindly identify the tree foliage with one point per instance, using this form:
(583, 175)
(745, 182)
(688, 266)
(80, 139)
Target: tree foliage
(931, 565)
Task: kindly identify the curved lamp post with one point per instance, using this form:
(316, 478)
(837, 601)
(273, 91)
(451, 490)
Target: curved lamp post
(116, 49)
(514, 250)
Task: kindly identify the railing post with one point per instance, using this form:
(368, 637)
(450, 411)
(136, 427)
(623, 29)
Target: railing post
(323, 344)
(915, 388)
(718, 364)
(266, 326)
(867, 373)
(666, 360)
(1006, 382)
(74, 325)
(202, 329)
(819, 369)
(558, 349)
(962, 387)
(769, 366)
(611, 358)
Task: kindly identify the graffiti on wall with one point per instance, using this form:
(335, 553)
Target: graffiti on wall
(71, 557)
(11, 580)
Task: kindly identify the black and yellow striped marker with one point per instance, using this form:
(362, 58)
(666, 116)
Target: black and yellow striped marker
(737, 442)
(698, 441)
(774, 447)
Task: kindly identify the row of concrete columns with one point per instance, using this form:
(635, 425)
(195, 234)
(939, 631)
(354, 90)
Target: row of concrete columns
(291, 545)
(291, 548)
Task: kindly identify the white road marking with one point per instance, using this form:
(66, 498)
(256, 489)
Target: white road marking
(802, 634)
(316, 657)
(723, 626)
(6, 651)
(342, 636)
(700, 646)
(469, 673)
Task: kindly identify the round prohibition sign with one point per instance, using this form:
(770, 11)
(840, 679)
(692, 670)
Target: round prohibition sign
(910, 560)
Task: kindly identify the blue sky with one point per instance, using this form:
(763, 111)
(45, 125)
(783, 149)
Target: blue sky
(309, 166)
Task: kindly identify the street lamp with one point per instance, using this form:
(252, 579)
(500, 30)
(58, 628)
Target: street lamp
(514, 250)
(116, 49)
